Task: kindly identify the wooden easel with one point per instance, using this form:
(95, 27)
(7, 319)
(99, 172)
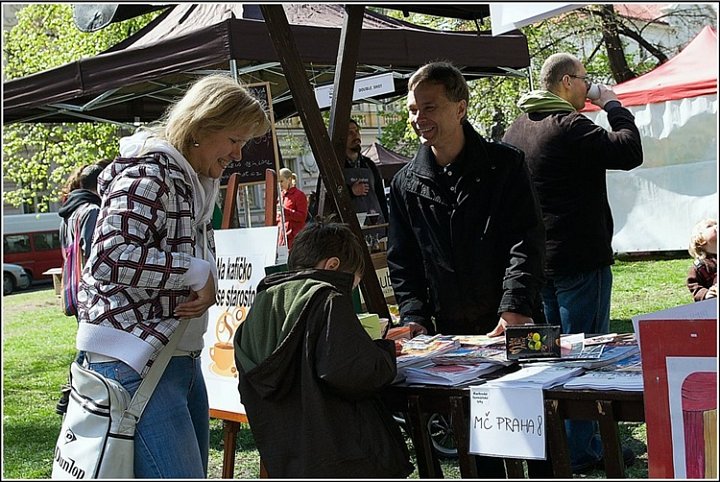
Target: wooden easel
(234, 185)
(232, 420)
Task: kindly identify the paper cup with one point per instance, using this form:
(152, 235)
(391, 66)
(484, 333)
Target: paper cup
(593, 92)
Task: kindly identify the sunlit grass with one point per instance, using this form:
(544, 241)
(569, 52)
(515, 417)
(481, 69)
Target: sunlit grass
(38, 346)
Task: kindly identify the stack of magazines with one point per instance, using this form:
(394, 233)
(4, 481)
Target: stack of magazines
(473, 355)
(537, 375)
(611, 353)
(625, 374)
(423, 347)
(449, 375)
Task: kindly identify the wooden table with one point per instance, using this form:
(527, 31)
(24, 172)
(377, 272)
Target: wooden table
(419, 402)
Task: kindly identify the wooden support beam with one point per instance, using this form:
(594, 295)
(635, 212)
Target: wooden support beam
(312, 121)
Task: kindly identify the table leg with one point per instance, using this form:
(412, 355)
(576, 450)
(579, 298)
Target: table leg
(427, 462)
(557, 440)
(460, 424)
(230, 431)
(515, 468)
(612, 452)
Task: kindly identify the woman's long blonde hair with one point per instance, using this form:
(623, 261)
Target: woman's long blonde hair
(213, 103)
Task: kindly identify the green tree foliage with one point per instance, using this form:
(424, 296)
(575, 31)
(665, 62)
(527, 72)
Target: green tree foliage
(37, 158)
(582, 32)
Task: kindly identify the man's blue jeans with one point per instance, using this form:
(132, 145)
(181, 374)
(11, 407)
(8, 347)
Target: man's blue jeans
(580, 303)
(172, 438)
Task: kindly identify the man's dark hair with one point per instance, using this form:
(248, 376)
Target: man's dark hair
(353, 121)
(445, 74)
(322, 240)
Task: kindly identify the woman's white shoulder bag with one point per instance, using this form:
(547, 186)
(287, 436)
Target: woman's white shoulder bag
(96, 438)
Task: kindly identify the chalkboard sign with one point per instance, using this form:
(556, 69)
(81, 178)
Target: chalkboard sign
(259, 153)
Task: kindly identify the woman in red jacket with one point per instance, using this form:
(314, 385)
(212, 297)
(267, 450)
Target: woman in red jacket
(295, 207)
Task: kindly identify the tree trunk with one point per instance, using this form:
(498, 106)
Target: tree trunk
(611, 38)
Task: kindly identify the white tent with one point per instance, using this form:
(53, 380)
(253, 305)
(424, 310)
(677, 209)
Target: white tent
(675, 106)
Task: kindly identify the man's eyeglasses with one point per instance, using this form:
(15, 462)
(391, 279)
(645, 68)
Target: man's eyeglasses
(584, 78)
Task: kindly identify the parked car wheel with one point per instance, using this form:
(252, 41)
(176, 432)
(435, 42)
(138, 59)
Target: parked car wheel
(14, 277)
(8, 284)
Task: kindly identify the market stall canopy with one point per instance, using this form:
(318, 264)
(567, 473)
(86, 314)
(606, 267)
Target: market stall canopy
(135, 80)
(388, 162)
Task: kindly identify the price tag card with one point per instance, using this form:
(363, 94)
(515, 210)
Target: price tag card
(507, 422)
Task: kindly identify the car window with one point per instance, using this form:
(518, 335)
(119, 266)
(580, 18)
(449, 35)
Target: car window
(46, 241)
(16, 243)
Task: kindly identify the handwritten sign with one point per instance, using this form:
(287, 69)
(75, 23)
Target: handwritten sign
(241, 257)
(259, 153)
(507, 422)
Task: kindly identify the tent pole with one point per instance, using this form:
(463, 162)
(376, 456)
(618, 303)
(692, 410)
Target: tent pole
(309, 112)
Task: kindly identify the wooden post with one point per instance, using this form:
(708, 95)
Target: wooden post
(312, 121)
(270, 197)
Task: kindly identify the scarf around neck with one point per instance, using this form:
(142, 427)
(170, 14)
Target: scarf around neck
(544, 101)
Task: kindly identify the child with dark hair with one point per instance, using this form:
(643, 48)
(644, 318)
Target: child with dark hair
(309, 374)
(702, 276)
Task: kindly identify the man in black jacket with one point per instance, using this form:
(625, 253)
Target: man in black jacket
(466, 236)
(568, 156)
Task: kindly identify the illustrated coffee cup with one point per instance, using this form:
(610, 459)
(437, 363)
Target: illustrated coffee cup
(593, 92)
(223, 355)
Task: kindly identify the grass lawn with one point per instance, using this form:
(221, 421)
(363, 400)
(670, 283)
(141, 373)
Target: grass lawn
(38, 346)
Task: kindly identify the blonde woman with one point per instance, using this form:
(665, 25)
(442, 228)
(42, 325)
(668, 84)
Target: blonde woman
(294, 207)
(152, 266)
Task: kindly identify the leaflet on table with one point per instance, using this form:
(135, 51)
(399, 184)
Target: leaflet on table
(424, 348)
(611, 354)
(449, 375)
(471, 355)
(607, 380)
(480, 340)
(632, 363)
(537, 375)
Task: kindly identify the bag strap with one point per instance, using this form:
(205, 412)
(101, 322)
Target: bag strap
(147, 386)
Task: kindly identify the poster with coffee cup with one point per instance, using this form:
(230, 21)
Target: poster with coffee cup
(241, 258)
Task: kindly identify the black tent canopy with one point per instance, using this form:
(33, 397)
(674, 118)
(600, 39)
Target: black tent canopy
(136, 79)
(387, 161)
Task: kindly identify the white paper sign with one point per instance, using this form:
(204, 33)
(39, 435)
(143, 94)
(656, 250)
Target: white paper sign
(383, 275)
(507, 422)
(242, 255)
(364, 88)
(511, 15)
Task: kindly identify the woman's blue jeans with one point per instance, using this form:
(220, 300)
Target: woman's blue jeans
(580, 303)
(172, 437)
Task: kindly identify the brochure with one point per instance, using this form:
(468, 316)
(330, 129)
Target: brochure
(449, 375)
(473, 355)
(607, 380)
(537, 376)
